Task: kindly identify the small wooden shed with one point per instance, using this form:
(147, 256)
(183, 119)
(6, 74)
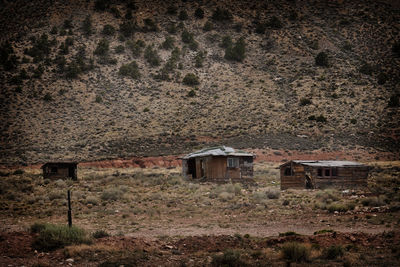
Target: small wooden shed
(218, 163)
(60, 170)
(323, 173)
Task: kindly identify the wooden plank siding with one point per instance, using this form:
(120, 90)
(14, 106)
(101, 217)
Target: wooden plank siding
(346, 176)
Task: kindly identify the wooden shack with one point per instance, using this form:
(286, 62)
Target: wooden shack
(218, 163)
(322, 174)
(60, 170)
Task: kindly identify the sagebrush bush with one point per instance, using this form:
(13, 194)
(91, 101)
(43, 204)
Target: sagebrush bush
(168, 43)
(130, 70)
(295, 252)
(199, 13)
(374, 201)
(111, 194)
(236, 52)
(108, 30)
(100, 234)
(228, 258)
(273, 193)
(322, 59)
(222, 15)
(305, 101)
(183, 15)
(191, 79)
(102, 48)
(127, 28)
(87, 26)
(208, 26)
(152, 56)
(333, 252)
(52, 236)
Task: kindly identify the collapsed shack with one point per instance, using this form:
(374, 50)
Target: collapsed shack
(60, 170)
(219, 164)
(320, 174)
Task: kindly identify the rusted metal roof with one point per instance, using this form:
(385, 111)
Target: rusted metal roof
(218, 151)
(327, 163)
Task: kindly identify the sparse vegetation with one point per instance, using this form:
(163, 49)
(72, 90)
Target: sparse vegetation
(52, 236)
(295, 252)
(102, 48)
(131, 70)
(152, 56)
(191, 79)
(236, 52)
(108, 30)
(322, 59)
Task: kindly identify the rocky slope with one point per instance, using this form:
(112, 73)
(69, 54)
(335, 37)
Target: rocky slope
(63, 95)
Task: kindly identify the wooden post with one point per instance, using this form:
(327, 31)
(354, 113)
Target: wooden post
(69, 209)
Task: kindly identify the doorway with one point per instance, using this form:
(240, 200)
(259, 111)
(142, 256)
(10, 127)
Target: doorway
(309, 184)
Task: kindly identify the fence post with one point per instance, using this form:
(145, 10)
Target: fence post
(69, 209)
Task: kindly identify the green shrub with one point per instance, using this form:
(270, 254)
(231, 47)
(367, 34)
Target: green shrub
(47, 97)
(120, 49)
(183, 15)
(208, 26)
(102, 48)
(52, 236)
(273, 193)
(226, 42)
(260, 28)
(40, 49)
(130, 70)
(187, 37)
(323, 231)
(135, 47)
(236, 52)
(127, 28)
(99, 99)
(87, 26)
(191, 79)
(101, 5)
(100, 234)
(191, 93)
(37, 227)
(228, 258)
(168, 43)
(289, 233)
(68, 24)
(108, 30)
(152, 56)
(149, 25)
(305, 102)
(333, 252)
(111, 194)
(382, 78)
(199, 59)
(337, 206)
(295, 252)
(366, 69)
(171, 28)
(320, 118)
(393, 101)
(274, 23)
(373, 201)
(353, 121)
(396, 48)
(172, 10)
(222, 15)
(54, 30)
(199, 13)
(322, 59)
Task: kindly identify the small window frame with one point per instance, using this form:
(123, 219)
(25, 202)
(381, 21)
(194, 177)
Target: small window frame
(232, 163)
(288, 171)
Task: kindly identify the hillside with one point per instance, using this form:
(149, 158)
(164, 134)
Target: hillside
(67, 91)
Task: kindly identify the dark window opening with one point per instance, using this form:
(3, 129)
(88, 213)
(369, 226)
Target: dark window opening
(334, 172)
(288, 171)
(53, 169)
(233, 162)
(327, 172)
(319, 172)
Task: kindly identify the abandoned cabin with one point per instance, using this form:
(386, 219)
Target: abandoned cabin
(60, 170)
(218, 163)
(321, 174)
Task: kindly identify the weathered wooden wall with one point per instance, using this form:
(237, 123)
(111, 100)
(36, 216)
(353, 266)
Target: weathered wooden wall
(61, 173)
(348, 177)
(297, 180)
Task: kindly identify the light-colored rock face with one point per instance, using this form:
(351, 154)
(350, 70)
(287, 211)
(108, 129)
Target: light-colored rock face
(259, 102)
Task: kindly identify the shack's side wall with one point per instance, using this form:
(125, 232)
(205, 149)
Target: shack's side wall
(246, 167)
(62, 172)
(185, 168)
(296, 180)
(347, 177)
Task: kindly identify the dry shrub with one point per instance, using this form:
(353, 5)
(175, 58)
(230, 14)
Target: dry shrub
(295, 252)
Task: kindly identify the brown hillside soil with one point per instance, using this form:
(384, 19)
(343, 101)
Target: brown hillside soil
(15, 249)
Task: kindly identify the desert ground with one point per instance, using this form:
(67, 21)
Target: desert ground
(152, 216)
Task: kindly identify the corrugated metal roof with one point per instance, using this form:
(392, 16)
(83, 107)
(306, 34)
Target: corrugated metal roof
(328, 163)
(218, 151)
